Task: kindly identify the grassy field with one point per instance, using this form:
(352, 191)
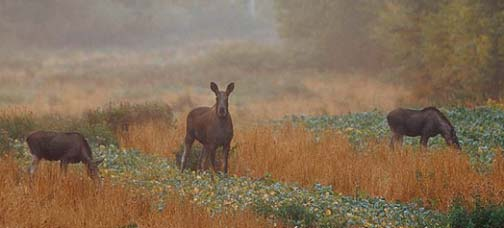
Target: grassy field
(313, 85)
(73, 82)
(52, 200)
(328, 165)
(318, 170)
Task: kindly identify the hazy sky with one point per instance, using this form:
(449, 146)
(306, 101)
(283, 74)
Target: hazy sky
(129, 24)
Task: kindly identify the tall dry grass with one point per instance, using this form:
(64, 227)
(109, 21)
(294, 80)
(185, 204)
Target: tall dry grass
(291, 154)
(51, 200)
(154, 138)
(435, 177)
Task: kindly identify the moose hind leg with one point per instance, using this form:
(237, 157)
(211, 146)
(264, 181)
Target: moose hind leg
(424, 141)
(34, 164)
(64, 167)
(188, 142)
(211, 152)
(396, 140)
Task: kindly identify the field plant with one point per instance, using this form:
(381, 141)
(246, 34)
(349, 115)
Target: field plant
(53, 200)
(301, 173)
(482, 214)
(290, 204)
(480, 130)
(433, 179)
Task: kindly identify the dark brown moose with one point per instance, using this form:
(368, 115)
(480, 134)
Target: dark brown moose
(426, 123)
(66, 147)
(212, 127)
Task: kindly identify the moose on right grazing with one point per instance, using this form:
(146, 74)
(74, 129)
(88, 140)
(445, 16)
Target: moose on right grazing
(426, 123)
(212, 127)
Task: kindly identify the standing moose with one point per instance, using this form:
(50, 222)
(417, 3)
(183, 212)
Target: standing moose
(66, 147)
(426, 123)
(212, 127)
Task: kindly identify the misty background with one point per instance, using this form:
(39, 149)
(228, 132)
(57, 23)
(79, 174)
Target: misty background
(286, 56)
(130, 25)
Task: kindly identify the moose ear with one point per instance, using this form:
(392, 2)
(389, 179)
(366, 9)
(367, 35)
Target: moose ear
(230, 88)
(98, 161)
(214, 87)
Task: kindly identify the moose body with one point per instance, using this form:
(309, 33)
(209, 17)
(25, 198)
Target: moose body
(212, 127)
(426, 123)
(66, 147)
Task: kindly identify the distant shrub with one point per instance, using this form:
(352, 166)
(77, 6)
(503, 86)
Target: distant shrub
(119, 116)
(97, 133)
(482, 215)
(17, 123)
(99, 126)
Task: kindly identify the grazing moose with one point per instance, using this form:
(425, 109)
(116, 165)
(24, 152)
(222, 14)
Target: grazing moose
(212, 127)
(66, 147)
(426, 123)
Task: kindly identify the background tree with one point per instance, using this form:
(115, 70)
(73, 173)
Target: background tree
(329, 34)
(446, 50)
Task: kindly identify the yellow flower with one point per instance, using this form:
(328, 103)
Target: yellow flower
(328, 212)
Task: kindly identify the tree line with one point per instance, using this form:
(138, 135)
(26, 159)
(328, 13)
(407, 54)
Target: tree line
(444, 50)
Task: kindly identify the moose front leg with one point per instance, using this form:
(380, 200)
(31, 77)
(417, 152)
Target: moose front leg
(424, 141)
(203, 158)
(34, 164)
(396, 140)
(211, 151)
(64, 167)
(226, 149)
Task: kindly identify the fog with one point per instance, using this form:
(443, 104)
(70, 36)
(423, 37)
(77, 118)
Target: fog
(130, 24)
(72, 56)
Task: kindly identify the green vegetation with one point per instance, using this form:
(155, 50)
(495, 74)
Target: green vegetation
(122, 115)
(482, 215)
(480, 130)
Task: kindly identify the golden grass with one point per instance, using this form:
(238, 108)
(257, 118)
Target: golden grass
(51, 200)
(290, 154)
(436, 177)
(153, 138)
